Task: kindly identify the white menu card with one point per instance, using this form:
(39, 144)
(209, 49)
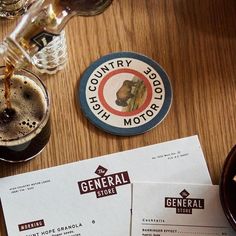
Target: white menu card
(162, 209)
(93, 197)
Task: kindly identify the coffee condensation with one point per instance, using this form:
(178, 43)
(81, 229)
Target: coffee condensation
(25, 125)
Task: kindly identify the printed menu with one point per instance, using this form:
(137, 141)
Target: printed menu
(93, 197)
(162, 209)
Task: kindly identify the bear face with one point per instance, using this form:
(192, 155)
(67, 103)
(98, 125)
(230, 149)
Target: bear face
(125, 93)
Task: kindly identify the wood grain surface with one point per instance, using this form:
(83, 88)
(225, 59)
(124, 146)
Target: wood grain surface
(193, 40)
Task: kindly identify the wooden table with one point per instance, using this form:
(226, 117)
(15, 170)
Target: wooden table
(194, 41)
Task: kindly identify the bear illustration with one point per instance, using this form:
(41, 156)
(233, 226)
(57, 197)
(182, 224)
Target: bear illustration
(125, 93)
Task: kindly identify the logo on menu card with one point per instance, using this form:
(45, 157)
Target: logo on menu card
(184, 205)
(104, 185)
(31, 225)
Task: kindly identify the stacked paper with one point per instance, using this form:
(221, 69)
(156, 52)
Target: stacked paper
(94, 197)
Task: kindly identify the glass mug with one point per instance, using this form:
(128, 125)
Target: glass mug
(25, 126)
(228, 187)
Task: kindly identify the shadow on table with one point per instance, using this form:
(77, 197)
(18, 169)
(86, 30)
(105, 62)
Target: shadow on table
(10, 168)
(214, 17)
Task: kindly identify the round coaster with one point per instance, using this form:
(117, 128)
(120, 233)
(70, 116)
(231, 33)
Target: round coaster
(125, 93)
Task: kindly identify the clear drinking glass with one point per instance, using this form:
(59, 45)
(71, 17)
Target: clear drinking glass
(52, 57)
(25, 125)
(44, 20)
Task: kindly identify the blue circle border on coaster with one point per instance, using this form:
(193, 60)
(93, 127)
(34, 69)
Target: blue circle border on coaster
(81, 96)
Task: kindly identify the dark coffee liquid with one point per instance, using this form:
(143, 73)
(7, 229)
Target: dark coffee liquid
(27, 150)
(7, 115)
(7, 82)
(23, 128)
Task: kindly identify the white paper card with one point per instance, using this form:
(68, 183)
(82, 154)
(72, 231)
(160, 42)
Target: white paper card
(93, 197)
(162, 209)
